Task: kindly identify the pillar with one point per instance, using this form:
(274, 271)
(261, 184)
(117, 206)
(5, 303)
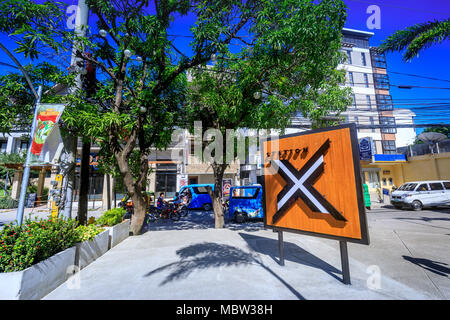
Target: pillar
(17, 181)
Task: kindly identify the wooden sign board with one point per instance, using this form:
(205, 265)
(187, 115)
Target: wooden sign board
(312, 184)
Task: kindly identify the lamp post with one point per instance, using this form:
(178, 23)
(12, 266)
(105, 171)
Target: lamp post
(26, 170)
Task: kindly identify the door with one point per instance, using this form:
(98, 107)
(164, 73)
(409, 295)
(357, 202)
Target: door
(447, 191)
(423, 194)
(437, 193)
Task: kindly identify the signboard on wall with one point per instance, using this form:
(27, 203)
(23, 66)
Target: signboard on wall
(365, 149)
(226, 185)
(312, 184)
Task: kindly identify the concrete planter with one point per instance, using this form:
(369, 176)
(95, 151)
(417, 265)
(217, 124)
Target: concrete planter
(118, 233)
(38, 280)
(90, 250)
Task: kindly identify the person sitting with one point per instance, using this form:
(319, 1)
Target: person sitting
(176, 199)
(161, 204)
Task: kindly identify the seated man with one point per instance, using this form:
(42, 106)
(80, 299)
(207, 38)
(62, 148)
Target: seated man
(161, 203)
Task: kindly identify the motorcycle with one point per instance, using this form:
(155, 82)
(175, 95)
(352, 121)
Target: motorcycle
(169, 212)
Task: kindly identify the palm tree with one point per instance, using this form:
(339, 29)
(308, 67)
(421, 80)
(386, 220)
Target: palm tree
(417, 38)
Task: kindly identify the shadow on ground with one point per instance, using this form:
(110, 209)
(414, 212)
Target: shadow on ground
(436, 267)
(202, 220)
(292, 252)
(207, 255)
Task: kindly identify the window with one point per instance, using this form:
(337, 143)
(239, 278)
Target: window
(384, 102)
(378, 60)
(388, 121)
(423, 187)
(436, 186)
(447, 185)
(245, 192)
(363, 58)
(374, 179)
(349, 56)
(372, 123)
(369, 103)
(3, 145)
(390, 181)
(381, 81)
(200, 190)
(366, 80)
(359, 42)
(166, 179)
(384, 182)
(350, 78)
(389, 146)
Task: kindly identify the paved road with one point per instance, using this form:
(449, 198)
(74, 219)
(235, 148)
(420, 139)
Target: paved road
(409, 254)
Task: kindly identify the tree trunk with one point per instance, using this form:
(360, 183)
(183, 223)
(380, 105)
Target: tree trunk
(137, 220)
(134, 189)
(216, 195)
(84, 183)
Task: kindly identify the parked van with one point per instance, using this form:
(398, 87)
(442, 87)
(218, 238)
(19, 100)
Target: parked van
(200, 198)
(420, 194)
(245, 203)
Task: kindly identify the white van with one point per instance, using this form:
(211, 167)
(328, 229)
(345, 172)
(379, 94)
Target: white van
(420, 194)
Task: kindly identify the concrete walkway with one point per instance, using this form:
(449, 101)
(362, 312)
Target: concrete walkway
(191, 260)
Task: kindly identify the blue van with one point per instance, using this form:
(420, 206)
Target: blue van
(200, 196)
(245, 203)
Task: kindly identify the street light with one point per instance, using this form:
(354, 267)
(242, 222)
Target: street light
(127, 53)
(257, 95)
(103, 33)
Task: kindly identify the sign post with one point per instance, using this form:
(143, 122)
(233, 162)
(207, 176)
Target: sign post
(312, 185)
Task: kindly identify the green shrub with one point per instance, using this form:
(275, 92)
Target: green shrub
(35, 241)
(111, 217)
(88, 232)
(6, 202)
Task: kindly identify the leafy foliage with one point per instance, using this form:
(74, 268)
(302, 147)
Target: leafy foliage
(417, 38)
(111, 217)
(34, 241)
(88, 232)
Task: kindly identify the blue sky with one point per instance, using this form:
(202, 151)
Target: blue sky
(394, 15)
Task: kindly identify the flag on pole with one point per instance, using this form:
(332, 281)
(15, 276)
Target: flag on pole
(47, 117)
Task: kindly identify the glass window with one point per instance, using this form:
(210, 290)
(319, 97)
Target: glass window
(381, 81)
(384, 182)
(350, 78)
(384, 102)
(388, 121)
(410, 187)
(389, 147)
(366, 80)
(447, 185)
(423, 187)
(363, 58)
(369, 103)
(200, 190)
(436, 186)
(390, 181)
(3, 145)
(245, 192)
(374, 179)
(349, 56)
(378, 60)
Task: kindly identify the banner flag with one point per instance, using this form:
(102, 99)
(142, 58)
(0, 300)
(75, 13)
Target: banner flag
(47, 117)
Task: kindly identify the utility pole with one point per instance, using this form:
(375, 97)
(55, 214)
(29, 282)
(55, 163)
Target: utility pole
(70, 142)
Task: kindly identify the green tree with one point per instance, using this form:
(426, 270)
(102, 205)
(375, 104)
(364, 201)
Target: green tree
(417, 38)
(141, 99)
(289, 67)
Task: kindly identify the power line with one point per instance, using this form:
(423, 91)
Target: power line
(418, 76)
